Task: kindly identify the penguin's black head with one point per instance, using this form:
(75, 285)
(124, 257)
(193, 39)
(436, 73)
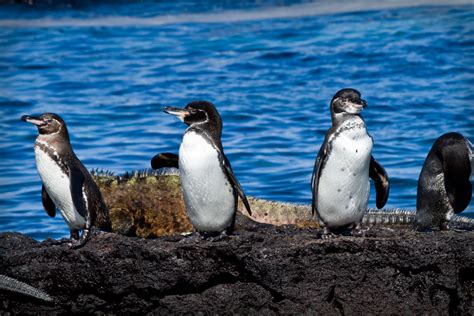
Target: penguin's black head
(197, 112)
(47, 123)
(347, 101)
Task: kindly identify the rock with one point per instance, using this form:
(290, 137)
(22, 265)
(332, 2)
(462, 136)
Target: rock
(268, 267)
(263, 269)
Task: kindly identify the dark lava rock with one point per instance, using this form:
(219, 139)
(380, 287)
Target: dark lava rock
(265, 270)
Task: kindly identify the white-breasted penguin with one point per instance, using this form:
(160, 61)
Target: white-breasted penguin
(340, 182)
(444, 186)
(67, 185)
(209, 185)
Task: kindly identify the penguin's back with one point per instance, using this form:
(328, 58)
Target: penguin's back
(432, 203)
(443, 186)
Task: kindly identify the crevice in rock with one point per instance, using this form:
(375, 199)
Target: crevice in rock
(454, 299)
(332, 299)
(184, 288)
(249, 277)
(409, 271)
(276, 296)
(466, 274)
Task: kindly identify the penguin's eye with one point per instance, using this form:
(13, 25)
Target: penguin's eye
(339, 106)
(49, 121)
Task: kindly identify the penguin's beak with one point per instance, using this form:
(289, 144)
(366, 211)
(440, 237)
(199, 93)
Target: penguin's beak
(359, 104)
(180, 113)
(33, 120)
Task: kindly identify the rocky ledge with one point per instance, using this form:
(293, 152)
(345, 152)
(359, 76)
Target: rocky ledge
(275, 263)
(262, 269)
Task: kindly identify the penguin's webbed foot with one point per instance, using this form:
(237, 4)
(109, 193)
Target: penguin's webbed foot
(191, 237)
(58, 242)
(444, 226)
(214, 238)
(75, 243)
(359, 231)
(328, 234)
(74, 234)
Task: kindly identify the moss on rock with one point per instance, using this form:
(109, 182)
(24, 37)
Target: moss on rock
(149, 204)
(144, 204)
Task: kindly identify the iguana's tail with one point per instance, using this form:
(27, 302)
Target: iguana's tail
(13, 285)
(407, 217)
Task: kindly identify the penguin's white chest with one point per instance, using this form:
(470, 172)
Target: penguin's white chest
(208, 195)
(343, 188)
(56, 183)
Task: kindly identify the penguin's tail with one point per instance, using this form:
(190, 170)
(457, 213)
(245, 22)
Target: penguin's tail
(13, 285)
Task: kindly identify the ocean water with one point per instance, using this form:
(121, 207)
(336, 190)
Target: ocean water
(271, 68)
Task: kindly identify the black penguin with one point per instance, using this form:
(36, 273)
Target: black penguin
(165, 160)
(67, 185)
(208, 183)
(340, 182)
(444, 187)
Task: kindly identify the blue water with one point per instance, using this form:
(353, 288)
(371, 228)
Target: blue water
(271, 69)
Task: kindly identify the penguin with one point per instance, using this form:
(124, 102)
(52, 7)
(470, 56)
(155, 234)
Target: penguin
(165, 160)
(444, 186)
(208, 183)
(340, 180)
(67, 185)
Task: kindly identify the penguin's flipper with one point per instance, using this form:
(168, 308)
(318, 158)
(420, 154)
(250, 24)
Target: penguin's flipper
(235, 183)
(163, 160)
(322, 155)
(457, 171)
(378, 174)
(48, 204)
(76, 182)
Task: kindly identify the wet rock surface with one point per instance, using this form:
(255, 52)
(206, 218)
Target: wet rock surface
(262, 269)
